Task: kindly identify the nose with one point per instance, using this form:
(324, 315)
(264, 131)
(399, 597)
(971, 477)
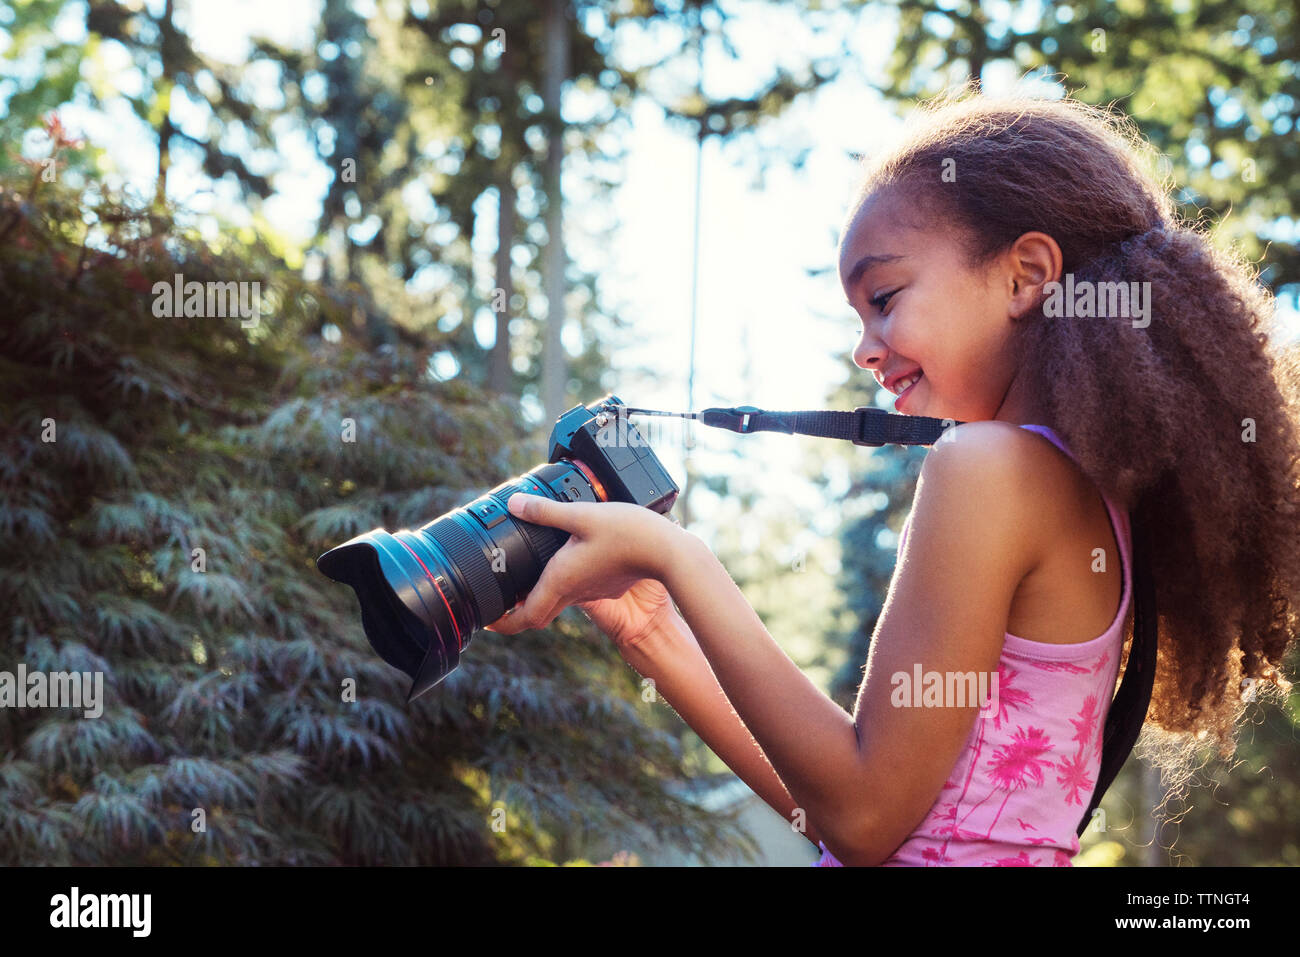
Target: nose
(870, 352)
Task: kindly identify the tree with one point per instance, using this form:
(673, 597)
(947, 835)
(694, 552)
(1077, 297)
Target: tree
(165, 482)
(181, 68)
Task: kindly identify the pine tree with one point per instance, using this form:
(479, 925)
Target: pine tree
(165, 484)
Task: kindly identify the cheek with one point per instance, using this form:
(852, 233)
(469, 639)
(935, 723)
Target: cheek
(920, 330)
(937, 345)
(949, 322)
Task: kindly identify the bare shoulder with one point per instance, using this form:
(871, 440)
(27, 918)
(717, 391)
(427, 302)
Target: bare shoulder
(1000, 476)
(993, 453)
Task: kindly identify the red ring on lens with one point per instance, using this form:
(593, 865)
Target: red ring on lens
(460, 645)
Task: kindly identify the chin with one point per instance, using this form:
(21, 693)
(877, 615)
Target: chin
(934, 410)
(912, 405)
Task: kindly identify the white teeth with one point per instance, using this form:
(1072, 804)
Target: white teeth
(902, 385)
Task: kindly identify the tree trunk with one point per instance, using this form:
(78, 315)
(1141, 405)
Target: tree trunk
(499, 362)
(500, 372)
(166, 84)
(557, 68)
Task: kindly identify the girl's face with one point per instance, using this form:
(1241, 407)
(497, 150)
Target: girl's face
(925, 308)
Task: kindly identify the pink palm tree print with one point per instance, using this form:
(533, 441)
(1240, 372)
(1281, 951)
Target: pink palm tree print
(935, 855)
(1074, 772)
(1009, 697)
(1084, 723)
(1016, 763)
(1074, 778)
(945, 824)
(1065, 666)
(1013, 766)
(1020, 860)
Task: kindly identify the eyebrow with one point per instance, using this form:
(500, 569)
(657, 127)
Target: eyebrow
(865, 263)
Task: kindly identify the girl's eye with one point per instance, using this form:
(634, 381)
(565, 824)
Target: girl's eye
(882, 300)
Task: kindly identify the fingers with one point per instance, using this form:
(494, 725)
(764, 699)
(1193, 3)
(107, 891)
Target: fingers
(538, 610)
(508, 624)
(569, 516)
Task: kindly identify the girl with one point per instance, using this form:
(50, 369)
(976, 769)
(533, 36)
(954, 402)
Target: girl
(1151, 392)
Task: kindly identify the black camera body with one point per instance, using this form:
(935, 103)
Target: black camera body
(424, 593)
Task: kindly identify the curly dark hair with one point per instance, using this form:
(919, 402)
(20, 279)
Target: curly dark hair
(1204, 447)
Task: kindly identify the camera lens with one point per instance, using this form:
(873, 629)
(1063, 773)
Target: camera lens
(424, 593)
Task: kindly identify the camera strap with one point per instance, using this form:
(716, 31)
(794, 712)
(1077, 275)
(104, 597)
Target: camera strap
(873, 426)
(865, 425)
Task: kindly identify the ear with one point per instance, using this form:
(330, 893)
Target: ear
(1032, 262)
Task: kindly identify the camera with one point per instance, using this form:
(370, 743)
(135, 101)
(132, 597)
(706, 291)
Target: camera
(424, 593)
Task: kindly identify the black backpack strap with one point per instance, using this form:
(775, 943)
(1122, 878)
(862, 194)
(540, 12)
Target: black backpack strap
(1128, 710)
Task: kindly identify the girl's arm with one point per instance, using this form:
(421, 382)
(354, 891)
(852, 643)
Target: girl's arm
(671, 657)
(867, 780)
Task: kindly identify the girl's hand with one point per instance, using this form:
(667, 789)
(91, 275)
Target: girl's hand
(610, 566)
(626, 619)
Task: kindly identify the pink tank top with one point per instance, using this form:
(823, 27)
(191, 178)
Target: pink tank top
(1020, 786)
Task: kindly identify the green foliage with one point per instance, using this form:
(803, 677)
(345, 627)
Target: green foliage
(223, 670)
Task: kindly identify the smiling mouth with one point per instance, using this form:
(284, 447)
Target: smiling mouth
(902, 385)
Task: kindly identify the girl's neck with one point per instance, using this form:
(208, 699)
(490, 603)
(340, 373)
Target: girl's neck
(1017, 407)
